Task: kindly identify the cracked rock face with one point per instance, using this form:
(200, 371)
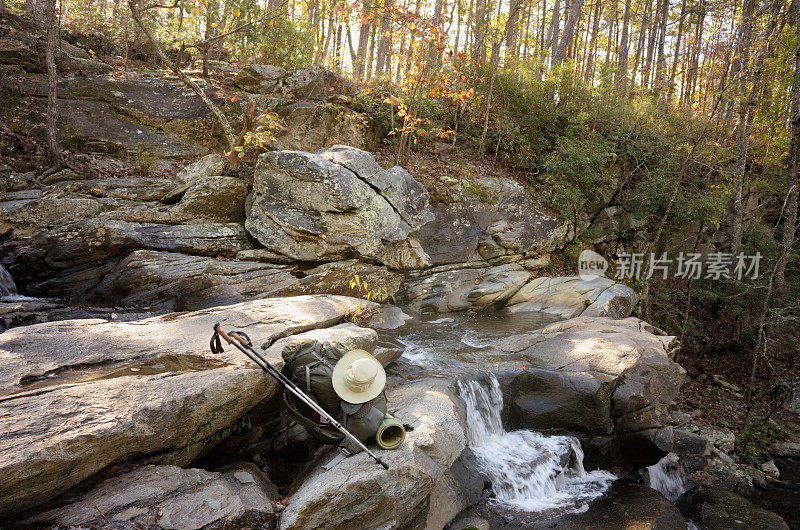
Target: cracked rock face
(79, 395)
(308, 208)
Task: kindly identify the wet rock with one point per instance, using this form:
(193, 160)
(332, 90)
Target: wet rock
(717, 509)
(456, 290)
(389, 317)
(630, 505)
(420, 489)
(77, 396)
(310, 209)
(571, 296)
(687, 443)
(588, 374)
(169, 281)
(179, 499)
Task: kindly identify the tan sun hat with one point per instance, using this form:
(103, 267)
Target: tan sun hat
(358, 377)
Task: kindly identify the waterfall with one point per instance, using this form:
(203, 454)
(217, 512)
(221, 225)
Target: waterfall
(667, 477)
(528, 471)
(7, 286)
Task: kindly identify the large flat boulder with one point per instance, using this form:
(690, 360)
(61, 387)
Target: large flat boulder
(170, 281)
(460, 289)
(425, 486)
(179, 499)
(310, 209)
(589, 375)
(570, 296)
(79, 395)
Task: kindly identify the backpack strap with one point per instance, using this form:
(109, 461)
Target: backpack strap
(323, 432)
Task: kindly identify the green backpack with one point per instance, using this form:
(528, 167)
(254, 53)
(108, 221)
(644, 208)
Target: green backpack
(309, 363)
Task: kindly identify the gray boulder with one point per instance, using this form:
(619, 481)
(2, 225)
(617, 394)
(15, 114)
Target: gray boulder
(71, 259)
(496, 220)
(310, 125)
(80, 395)
(173, 499)
(589, 375)
(456, 290)
(335, 278)
(259, 78)
(407, 196)
(426, 484)
(720, 509)
(570, 296)
(309, 209)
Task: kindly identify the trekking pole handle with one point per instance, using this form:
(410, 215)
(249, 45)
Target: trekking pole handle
(230, 338)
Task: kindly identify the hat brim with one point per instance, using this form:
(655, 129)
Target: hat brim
(347, 393)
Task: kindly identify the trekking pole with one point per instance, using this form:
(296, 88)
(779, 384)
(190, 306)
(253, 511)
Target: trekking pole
(243, 344)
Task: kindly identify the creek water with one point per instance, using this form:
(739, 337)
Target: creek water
(530, 473)
(667, 477)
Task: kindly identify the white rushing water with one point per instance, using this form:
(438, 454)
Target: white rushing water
(7, 286)
(667, 477)
(528, 471)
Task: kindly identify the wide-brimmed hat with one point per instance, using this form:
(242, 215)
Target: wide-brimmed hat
(358, 377)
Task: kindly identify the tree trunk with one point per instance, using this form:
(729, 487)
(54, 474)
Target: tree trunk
(621, 81)
(385, 42)
(52, 81)
(555, 29)
(223, 121)
(790, 214)
(588, 75)
(743, 140)
(212, 18)
(671, 88)
(363, 40)
(479, 31)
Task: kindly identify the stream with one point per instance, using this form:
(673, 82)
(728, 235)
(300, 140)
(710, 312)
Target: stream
(530, 473)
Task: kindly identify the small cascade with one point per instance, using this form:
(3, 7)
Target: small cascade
(528, 471)
(667, 477)
(7, 286)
